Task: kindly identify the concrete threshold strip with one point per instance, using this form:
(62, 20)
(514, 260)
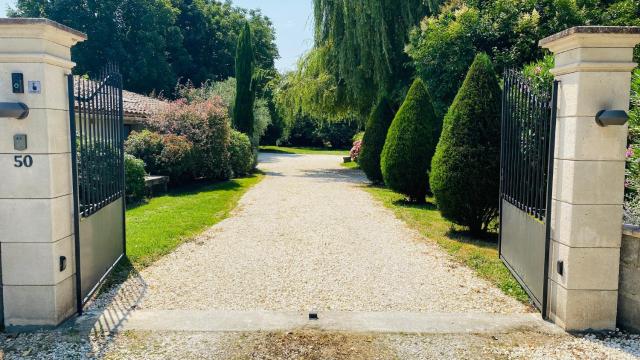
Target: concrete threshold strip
(376, 322)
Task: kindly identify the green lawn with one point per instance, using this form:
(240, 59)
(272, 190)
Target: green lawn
(479, 255)
(350, 165)
(156, 228)
(303, 150)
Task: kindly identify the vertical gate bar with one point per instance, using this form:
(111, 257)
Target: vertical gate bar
(123, 189)
(540, 154)
(84, 154)
(512, 144)
(527, 153)
(99, 140)
(502, 160)
(74, 177)
(112, 120)
(90, 147)
(532, 147)
(518, 142)
(507, 130)
(550, 165)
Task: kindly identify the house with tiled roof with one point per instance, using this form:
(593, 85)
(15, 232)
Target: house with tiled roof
(137, 108)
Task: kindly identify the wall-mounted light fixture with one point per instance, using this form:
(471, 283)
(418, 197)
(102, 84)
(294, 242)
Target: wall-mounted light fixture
(13, 110)
(612, 117)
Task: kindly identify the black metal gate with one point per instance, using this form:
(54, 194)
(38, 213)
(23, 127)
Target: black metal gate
(526, 178)
(97, 147)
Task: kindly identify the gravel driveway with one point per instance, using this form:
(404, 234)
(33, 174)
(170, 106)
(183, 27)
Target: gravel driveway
(308, 237)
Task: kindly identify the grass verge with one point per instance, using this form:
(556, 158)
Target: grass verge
(479, 255)
(302, 150)
(350, 165)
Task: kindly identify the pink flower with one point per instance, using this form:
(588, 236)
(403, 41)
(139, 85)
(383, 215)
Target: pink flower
(629, 152)
(355, 150)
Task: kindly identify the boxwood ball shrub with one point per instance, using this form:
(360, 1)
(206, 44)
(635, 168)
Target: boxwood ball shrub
(466, 166)
(241, 154)
(374, 138)
(410, 145)
(134, 177)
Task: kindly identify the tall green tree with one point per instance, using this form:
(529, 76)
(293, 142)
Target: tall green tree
(243, 118)
(358, 56)
(410, 144)
(466, 167)
(157, 42)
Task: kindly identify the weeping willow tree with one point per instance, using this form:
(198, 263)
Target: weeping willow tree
(359, 53)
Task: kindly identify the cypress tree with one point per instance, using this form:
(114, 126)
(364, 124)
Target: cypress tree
(466, 166)
(243, 119)
(374, 138)
(410, 145)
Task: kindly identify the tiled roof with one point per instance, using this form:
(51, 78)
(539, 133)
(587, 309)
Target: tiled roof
(134, 104)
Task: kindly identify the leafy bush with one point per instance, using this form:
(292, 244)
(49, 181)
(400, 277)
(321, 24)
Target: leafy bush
(176, 158)
(134, 177)
(410, 145)
(163, 154)
(241, 154)
(466, 166)
(207, 126)
(358, 136)
(374, 138)
(146, 146)
(539, 73)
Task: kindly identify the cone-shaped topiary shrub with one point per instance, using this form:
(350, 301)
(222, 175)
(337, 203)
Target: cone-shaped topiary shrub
(466, 166)
(410, 145)
(374, 138)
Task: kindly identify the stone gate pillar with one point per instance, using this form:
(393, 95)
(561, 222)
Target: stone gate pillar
(593, 66)
(36, 213)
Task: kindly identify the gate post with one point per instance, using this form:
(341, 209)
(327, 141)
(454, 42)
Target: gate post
(593, 65)
(36, 213)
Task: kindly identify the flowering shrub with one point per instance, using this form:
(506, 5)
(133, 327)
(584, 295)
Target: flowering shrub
(206, 125)
(355, 150)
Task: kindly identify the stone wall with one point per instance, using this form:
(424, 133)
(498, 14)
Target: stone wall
(629, 291)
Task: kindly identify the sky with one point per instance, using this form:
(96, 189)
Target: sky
(292, 19)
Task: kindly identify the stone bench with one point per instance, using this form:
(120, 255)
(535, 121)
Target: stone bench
(152, 182)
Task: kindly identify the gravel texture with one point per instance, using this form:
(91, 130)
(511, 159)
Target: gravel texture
(312, 345)
(307, 237)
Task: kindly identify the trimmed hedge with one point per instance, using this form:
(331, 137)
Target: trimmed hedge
(134, 177)
(410, 145)
(241, 154)
(374, 139)
(466, 166)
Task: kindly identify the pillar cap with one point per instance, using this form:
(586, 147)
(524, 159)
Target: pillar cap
(592, 37)
(40, 28)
